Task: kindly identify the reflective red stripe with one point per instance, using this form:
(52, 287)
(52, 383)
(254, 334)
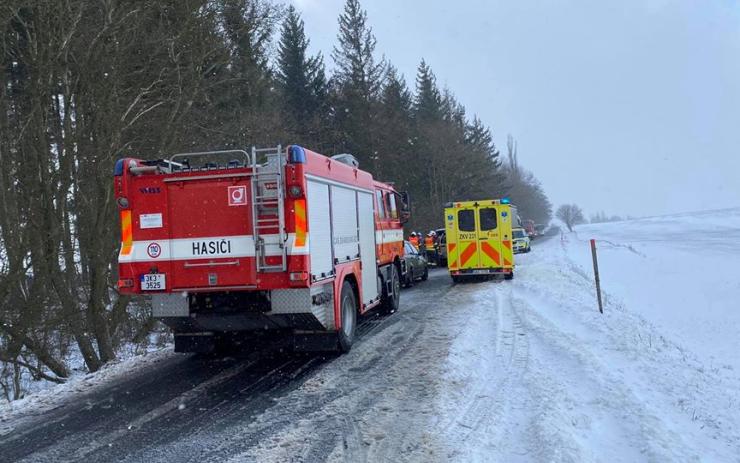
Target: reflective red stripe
(490, 252)
(467, 253)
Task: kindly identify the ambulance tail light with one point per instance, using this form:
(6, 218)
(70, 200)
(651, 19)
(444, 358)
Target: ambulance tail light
(296, 155)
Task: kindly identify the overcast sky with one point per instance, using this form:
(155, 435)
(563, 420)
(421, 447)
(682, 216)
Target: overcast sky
(630, 107)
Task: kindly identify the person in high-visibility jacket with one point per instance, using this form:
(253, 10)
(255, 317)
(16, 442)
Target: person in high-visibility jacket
(414, 239)
(431, 250)
(429, 241)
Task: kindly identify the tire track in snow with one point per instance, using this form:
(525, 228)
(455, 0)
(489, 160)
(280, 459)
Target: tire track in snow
(374, 404)
(591, 407)
(499, 407)
(504, 356)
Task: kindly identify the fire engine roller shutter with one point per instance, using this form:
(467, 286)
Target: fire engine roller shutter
(344, 224)
(367, 246)
(319, 229)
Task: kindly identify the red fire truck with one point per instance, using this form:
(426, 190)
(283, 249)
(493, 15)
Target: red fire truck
(228, 242)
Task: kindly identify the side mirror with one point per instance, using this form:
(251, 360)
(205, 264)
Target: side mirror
(405, 206)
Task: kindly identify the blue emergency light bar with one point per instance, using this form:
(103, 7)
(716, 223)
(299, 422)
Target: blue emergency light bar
(296, 155)
(118, 168)
(505, 201)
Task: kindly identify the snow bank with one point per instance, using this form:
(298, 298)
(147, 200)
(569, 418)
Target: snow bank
(540, 375)
(680, 272)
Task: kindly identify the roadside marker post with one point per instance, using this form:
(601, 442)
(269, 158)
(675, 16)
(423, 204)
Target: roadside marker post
(596, 275)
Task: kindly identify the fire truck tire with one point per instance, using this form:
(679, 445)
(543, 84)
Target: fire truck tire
(456, 279)
(390, 301)
(509, 276)
(348, 312)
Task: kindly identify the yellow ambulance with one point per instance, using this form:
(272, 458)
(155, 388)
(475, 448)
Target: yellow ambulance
(479, 236)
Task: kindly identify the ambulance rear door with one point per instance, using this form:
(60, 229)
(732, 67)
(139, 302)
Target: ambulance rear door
(490, 235)
(466, 234)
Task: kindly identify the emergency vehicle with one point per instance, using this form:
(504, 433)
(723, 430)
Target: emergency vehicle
(228, 242)
(479, 239)
(529, 227)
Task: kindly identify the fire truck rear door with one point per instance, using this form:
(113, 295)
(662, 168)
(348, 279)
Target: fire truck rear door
(211, 232)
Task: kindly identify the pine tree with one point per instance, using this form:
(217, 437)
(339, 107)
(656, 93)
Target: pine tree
(396, 129)
(302, 82)
(354, 56)
(427, 101)
(524, 189)
(357, 85)
(248, 28)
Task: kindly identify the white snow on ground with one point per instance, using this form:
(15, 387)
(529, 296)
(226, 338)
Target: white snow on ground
(541, 375)
(11, 413)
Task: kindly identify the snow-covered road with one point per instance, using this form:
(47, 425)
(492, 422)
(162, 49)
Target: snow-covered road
(522, 370)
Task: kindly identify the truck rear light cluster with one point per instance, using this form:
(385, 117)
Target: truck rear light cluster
(298, 276)
(125, 283)
(295, 191)
(122, 202)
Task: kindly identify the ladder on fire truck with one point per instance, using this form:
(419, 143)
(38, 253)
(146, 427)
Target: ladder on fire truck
(268, 203)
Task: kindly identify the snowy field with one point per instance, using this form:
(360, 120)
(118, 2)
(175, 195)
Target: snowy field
(680, 272)
(511, 371)
(657, 377)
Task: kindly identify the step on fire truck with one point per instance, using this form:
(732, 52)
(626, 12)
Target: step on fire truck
(269, 240)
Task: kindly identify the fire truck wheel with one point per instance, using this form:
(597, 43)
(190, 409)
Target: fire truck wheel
(349, 317)
(509, 276)
(390, 301)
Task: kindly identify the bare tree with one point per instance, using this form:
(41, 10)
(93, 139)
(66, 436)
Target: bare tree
(571, 215)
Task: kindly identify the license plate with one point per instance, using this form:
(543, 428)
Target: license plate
(153, 282)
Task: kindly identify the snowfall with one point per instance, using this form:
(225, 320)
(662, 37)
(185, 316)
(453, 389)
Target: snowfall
(540, 374)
